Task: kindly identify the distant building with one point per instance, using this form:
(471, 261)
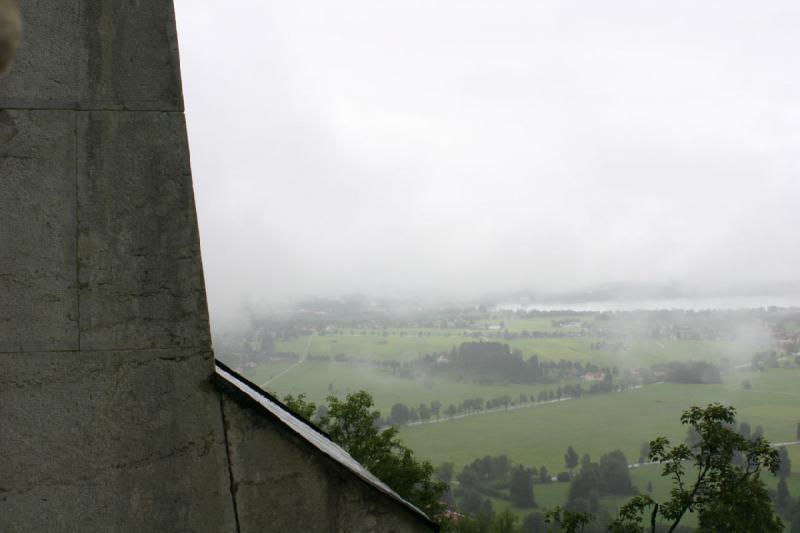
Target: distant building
(593, 376)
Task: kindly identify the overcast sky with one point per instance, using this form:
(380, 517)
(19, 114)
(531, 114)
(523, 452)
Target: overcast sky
(455, 147)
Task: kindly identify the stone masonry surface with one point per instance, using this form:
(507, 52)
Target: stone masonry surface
(109, 419)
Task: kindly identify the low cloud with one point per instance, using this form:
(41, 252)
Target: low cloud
(458, 147)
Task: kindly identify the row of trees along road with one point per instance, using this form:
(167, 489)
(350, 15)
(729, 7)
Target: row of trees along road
(717, 478)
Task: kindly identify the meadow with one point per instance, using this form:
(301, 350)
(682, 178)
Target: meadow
(406, 345)
(596, 424)
(540, 323)
(538, 435)
(550, 495)
(320, 380)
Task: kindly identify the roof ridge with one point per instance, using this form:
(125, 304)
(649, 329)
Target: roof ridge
(311, 433)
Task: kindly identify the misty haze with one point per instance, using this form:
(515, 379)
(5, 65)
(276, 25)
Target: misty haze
(460, 149)
(534, 233)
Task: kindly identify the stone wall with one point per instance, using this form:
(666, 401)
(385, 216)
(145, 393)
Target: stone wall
(108, 417)
(109, 421)
(309, 491)
(111, 441)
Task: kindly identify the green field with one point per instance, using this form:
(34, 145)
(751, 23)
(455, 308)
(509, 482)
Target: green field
(550, 495)
(374, 345)
(537, 435)
(320, 380)
(634, 354)
(596, 424)
(541, 323)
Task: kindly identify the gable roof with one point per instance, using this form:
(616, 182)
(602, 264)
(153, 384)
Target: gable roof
(270, 405)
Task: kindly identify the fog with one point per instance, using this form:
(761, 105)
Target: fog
(457, 148)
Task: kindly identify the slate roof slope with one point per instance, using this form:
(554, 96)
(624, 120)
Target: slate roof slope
(309, 432)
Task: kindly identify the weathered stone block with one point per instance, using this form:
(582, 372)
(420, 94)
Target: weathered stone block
(38, 283)
(141, 278)
(45, 73)
(133, 60)
(95, 54)
(112, 441)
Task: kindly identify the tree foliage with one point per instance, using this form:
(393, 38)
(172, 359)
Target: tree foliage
(444, 472)
(350, 423)
(300, 405)
(504, 522)
(785, 468)
(568, 521)
(782, 497)
(584, 490)
(692, 372)
(615, 478)
(571, 458)
(533, 523)
(707, 481)
(744, 506)
(487, 468)
(521, 487)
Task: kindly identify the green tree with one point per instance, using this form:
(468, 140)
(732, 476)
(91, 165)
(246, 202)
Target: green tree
(534, 523)
(487, 508)
(644, 452)
(400, 414)
(424, 411)
(468, 478)
(521, 487)
(351, 424)
(568, 521)
(544, 475)
(692, 437)
(745, 430)
(571, 459)
(299, 405)
(481, 523)
(471, 501)
(782, 498)
(504, 522)
(725, 497)
(584, 489)
(743, 508)
(615, 478)
(444, 472)
(785, 469)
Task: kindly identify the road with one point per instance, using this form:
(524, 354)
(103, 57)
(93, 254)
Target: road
(299, 362)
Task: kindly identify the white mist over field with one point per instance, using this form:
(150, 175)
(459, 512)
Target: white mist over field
(454, 149)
